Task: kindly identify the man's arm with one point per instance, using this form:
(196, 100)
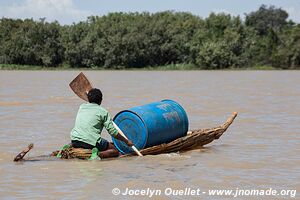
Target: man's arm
(108, 124)
(120, 137)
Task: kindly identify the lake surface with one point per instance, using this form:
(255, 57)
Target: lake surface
(260, 150)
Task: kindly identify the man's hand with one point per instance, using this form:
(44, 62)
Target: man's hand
(129, 143)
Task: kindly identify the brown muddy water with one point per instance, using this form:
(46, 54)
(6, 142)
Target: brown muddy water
(261, 149)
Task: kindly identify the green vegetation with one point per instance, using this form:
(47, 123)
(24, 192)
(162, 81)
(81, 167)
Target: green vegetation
(165, 41)
(30, 67)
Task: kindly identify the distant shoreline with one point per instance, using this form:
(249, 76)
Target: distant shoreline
(169, 40)
(175, 67)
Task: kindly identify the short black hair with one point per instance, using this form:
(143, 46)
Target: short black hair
(95, 96)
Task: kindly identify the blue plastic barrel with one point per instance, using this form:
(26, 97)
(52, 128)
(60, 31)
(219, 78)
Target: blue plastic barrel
(151, 124)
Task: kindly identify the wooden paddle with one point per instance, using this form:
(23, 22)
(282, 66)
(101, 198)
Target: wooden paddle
(81, 86)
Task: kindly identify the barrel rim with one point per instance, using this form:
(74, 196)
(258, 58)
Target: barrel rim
(124, 133)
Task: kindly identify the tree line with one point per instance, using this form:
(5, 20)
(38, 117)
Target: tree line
(136, 40)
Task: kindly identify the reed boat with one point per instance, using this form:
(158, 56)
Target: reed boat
(193, 140)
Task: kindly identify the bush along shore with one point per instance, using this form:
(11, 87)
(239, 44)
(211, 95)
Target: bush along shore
(175, 67)
(168, 40)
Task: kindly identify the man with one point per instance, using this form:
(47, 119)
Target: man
(90, 120)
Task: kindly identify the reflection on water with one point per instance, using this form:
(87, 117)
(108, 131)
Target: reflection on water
(260, 149)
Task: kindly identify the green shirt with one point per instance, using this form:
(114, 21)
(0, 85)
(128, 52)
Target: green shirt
(90, 120)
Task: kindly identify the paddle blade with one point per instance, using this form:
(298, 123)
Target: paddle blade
(80, 86)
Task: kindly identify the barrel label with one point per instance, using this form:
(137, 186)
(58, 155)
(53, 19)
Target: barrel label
(172, 116)
(163, 106)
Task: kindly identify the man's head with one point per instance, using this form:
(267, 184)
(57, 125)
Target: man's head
(95, 96)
